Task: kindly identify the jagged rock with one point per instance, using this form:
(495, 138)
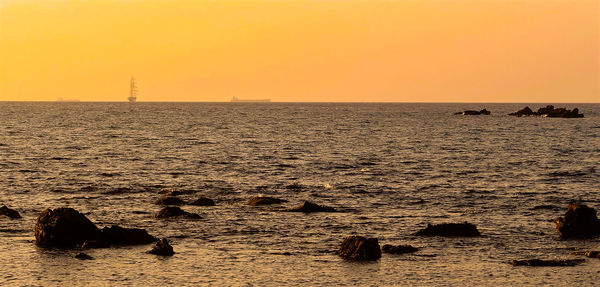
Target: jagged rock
(360, 248)
(540, 262)
(4, 210)
(171, 211)
(203, 201)
(308, 207)
(116, 235)
(169, 200)
(580, 221)
(264, 200)
(399, 249)
(64, 227)
(88, 244)
(450, 230)
(83, 256)
(163, 248)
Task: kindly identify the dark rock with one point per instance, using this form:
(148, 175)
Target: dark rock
(64, 227)
(171, 211)
(88, 244)
(474, 113)
(83, 256)
(4, 210)
(540, 262)
(203, 201)
(523, 112)
(169, 200)
(116, 235)
(312, 207)
(162, 248)
(593, 254)
(398, 249)
(264, 200)
(580, 221)
(450, 229)
(549, 111)
(360, 248)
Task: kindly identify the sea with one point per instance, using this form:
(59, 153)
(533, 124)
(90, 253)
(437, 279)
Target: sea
(389, 168)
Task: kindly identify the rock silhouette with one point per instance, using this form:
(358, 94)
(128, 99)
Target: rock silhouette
(398, 249)
(360, 248)
(549, 111)
(163, 248)
(308, 207)
(203, 201)
(4, 210)
(580, 221)
(450, 230)
(65, 228)
(474, 113)
(116, 235)
(172, 211)
(540, 262)
(169, 200)
(264, 200)
(83, 256)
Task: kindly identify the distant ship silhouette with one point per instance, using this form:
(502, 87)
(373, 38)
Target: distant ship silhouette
(133, 91)
(237, 100)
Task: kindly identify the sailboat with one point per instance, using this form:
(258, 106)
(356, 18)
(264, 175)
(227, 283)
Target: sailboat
(133, 91)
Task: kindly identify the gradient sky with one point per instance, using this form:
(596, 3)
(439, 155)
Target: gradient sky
(371, 50)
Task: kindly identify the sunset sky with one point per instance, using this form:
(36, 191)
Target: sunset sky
(352, 51)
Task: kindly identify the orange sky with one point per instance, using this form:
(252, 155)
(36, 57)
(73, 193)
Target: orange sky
(371, 50)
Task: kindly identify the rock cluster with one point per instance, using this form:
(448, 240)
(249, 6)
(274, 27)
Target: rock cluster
(450, 230)
(549, 111)
(360, 248)
(579, 221)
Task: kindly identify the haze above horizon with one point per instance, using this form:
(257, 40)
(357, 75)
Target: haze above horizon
(301, 51)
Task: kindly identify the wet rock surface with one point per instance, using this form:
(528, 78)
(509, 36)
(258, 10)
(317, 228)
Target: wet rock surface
(546, 263)
(174, 212)
(4, 210)
(308, 207)
(580, 221)
(169, 200)
(65, 228)
(450, 230)
(162, 248)
(264, 200)
(360, 248)
(203, 201)
(116, 235)
(398, 249)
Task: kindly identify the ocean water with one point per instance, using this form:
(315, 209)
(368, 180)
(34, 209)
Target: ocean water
(391, 169)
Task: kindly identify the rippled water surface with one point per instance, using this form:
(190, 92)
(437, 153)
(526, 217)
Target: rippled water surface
(391, 169)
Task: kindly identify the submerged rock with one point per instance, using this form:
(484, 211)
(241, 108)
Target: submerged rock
(203, 201)
(399, 249)
(163, 248)
(593, 254)
(450, 230)
(64, 227)
(580, 221)
(4, 210)
(308, 207)
(88, 244)
(172, 211)
(264, 200)
(116, 235)
(169, 200)
(360, 248)
(83, 256)
(540, 262)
